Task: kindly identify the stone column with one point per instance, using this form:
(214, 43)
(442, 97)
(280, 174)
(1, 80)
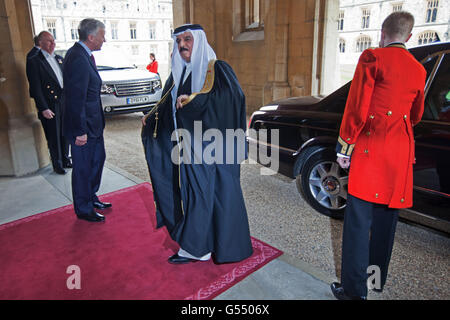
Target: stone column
(326, 62)
(179, 8)
(277, 34)
(23, 147)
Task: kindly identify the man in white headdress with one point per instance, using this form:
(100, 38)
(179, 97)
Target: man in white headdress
(199, 201)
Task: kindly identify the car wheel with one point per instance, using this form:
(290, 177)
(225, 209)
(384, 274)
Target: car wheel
(323, 183)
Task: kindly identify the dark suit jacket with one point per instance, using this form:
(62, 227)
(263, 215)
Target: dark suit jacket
(32, 52)
(44, 85)
(30, 55)
(84, 113)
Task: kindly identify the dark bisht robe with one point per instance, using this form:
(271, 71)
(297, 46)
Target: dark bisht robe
(201, 203)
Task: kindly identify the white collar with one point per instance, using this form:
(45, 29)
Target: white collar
(46, 54)
(188, 67)
(395, 42)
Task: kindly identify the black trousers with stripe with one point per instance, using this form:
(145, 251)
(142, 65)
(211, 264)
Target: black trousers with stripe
(368, 238)
(57, 144)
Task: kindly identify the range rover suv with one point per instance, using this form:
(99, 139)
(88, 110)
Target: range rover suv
(125, 89)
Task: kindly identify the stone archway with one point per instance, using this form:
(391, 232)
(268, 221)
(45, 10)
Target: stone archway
(21, 139)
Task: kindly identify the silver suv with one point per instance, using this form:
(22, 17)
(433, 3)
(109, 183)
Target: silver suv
(125, 89)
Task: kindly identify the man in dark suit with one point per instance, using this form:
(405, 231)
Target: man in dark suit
(35, 48)
(33, 51)
(44, 72)
(84, 120)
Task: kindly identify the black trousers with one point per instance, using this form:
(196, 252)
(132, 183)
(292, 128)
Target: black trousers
(57, 144)
(368, 238)
(87, 162)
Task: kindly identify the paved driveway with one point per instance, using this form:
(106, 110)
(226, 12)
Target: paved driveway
(420, 265)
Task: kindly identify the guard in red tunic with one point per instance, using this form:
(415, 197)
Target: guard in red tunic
(385, 101)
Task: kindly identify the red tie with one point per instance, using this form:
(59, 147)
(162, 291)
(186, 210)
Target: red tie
(93, 61)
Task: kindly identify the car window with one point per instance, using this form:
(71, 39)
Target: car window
(437, 104)
(111, 58)
(335, 102)
(429, 65)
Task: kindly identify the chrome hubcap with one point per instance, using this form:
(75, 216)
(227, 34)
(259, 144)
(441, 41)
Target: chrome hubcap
(328, 184)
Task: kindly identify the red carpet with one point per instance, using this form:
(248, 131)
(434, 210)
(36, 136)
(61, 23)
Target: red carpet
(124, 258)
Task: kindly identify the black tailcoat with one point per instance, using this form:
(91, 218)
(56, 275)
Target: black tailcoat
(48, 94)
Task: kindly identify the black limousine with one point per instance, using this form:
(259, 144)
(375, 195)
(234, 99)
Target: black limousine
(308, 129)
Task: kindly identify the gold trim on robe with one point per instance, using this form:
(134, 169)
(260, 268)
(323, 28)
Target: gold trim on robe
(155, 108)
(207, 86)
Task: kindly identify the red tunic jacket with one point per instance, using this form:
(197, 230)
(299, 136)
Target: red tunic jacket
(385, 101)
(153, 67)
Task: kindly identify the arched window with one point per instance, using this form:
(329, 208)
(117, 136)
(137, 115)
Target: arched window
(341, 45)
(74, 30)
(363, 43)
(365, 21)
(253, 14)
(432, 8)
(427, 37)
(397, 6)
(341, 20)
(51, 27)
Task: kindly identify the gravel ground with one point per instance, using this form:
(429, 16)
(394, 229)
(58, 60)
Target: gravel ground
(420, 264)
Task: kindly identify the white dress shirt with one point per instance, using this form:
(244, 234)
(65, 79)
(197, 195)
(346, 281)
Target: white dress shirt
(188, 72)
(89, 51)
(51, 59)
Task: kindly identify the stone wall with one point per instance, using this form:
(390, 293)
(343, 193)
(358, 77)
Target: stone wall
(22, 144)
(285, 59)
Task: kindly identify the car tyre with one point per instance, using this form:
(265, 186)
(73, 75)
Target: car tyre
(323, 183)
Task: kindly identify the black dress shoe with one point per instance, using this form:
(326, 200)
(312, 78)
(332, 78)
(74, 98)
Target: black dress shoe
(176, 259)
(67, 165)
(92, 217)
(340, 294)
(102, 205)
(59, 170)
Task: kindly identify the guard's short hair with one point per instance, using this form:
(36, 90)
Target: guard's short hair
(398, 24)
(89, 27)
(36, 41)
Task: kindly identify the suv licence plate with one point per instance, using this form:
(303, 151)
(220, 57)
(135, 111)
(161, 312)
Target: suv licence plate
(138, 100)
